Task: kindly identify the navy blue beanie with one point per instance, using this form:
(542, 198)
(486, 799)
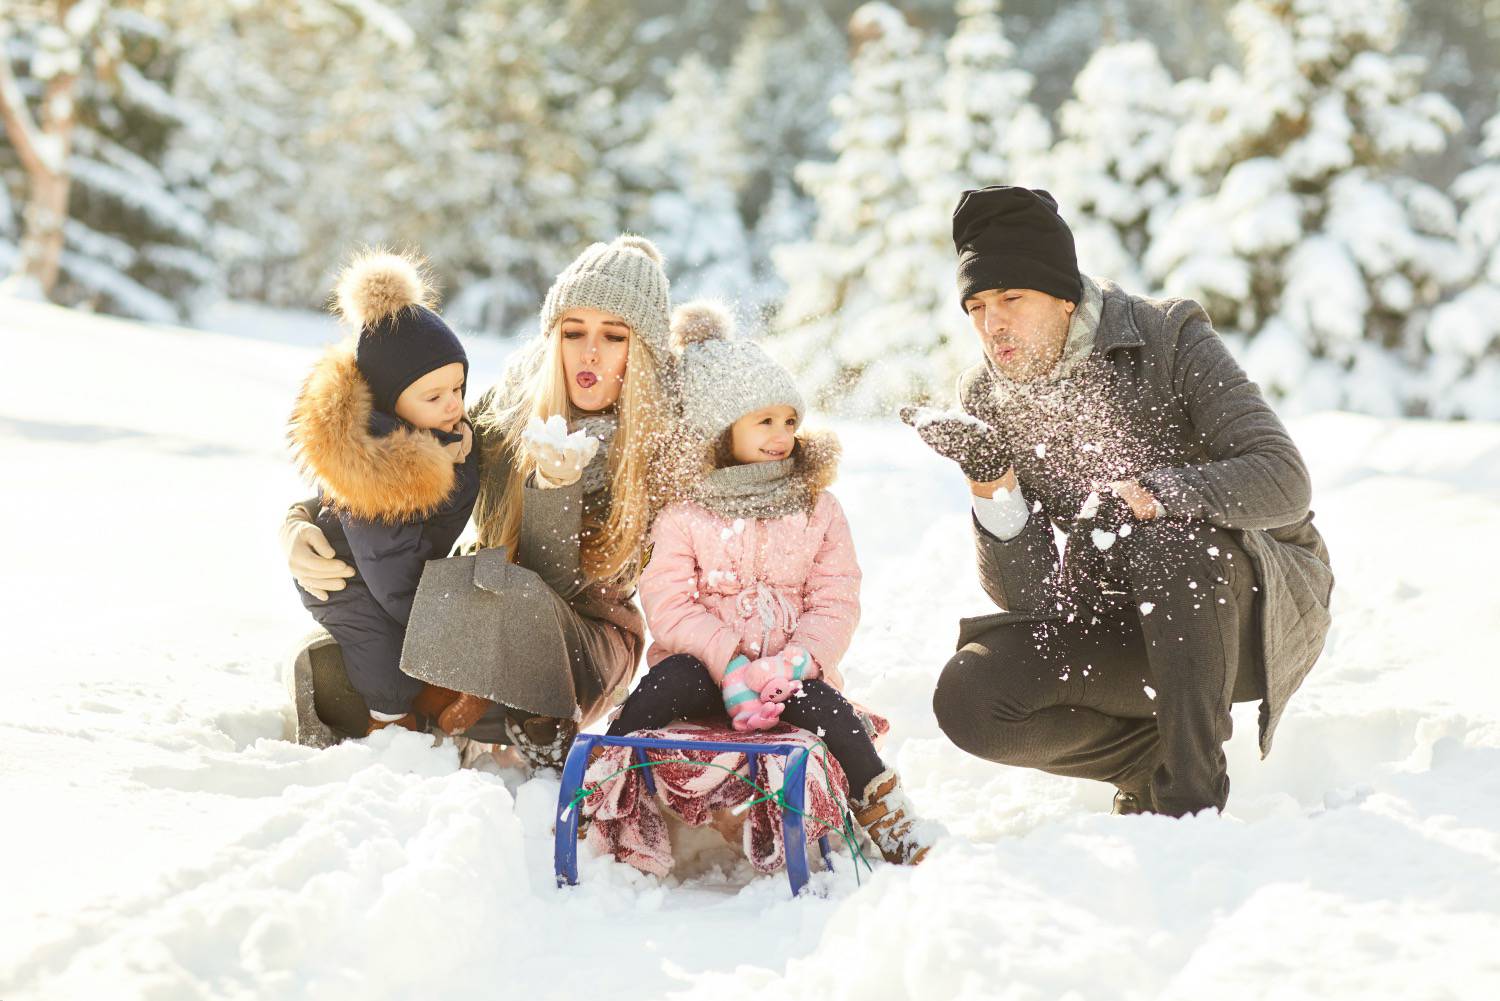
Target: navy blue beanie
(396, 351)
(1013, 237)
(386, 298)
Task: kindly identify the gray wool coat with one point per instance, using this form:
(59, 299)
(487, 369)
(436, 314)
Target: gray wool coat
(1211, 450)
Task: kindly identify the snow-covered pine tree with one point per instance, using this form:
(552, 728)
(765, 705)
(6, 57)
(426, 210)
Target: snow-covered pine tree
(1109, 166)
(688, 172)
(999, 134)
(323, 118)
(776, 108)
(1296, 225)
(134, 239)
(1464, 333)
(858, 320)
(532, 117)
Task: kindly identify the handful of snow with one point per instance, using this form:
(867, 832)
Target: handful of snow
(552, 435)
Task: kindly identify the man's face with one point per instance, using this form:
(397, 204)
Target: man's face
(1021, 330)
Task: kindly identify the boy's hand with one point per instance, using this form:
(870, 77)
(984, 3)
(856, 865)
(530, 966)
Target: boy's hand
(459, 450)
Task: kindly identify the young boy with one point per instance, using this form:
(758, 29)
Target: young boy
(379, 425)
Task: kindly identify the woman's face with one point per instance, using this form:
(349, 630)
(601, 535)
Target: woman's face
(595, 347)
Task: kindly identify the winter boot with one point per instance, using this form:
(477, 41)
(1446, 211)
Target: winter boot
(328, 709)
(891, 821)
(462, 713)
(409, 722)
(431, 701)
(544, 740)
(1134, 798)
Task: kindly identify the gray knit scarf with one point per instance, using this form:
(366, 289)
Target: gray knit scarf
(1083, 329)
(602, 426)
(755, 490)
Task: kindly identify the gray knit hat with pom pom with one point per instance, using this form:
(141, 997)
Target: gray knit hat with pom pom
(624, 277)
(724, 377)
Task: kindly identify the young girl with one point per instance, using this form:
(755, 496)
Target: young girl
(752, 589)
(379, 424)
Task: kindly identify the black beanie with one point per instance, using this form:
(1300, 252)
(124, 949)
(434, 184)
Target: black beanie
(385, 297)
(395, 352)
(1012, 237)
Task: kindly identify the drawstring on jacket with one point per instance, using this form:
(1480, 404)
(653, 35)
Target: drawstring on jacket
(772, 608)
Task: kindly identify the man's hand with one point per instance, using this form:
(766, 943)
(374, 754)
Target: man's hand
(978, 449)
(1142, 503)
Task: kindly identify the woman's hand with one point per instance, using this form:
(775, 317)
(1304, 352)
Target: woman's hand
(560, 457)
(309, 556)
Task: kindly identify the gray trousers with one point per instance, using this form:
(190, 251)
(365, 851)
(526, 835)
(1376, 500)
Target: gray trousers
(1133, 684)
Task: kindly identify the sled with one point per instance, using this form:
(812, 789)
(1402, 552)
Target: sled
(792, 793)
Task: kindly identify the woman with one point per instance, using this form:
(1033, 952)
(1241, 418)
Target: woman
(574, 524)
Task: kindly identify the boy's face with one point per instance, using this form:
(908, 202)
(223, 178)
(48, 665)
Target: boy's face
(434, 401)
(595, 348)
(1021, 330)
(764, 435)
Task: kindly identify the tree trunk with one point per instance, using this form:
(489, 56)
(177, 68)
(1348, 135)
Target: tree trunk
(44, 153)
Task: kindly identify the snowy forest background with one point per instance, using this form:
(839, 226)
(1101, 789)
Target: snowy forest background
(1324, 175)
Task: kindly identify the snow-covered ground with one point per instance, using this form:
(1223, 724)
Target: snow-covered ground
(161, 839)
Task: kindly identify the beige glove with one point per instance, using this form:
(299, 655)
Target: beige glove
(560, 457)
(459, 450)
(309, 556)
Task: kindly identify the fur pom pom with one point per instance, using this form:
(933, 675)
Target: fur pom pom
(640, 243)
(378, 284)
(700, 320)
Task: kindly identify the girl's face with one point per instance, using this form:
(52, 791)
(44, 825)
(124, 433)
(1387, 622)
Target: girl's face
(434, 401)
(595, 347)
(764, 435)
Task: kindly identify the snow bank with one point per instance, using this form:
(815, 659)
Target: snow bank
(163, 840)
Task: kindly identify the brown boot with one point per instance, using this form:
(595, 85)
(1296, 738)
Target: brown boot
(432, 700)
(408, 721)
(891, 821)
(463, 713)
(545, 740)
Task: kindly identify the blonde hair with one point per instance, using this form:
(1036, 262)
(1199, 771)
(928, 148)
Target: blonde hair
(611, 548)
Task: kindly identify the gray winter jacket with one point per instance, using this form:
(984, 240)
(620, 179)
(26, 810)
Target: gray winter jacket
(1216, 452)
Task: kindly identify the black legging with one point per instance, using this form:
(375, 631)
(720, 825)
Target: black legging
(680, 687)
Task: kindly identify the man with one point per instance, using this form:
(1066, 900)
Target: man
(1191, 575)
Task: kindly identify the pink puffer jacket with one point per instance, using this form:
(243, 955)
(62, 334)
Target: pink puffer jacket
(717, 587)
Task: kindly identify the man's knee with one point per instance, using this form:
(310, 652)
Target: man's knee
(982, 698)
(953, 703)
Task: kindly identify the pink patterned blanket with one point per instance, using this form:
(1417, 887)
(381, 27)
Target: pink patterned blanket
(626, 820)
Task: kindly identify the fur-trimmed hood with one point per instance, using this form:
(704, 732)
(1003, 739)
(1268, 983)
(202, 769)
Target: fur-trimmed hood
(816, 460)
(372, 465)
